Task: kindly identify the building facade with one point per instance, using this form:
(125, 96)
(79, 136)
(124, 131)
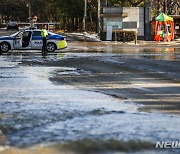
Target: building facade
(128, 18)
(176, 26)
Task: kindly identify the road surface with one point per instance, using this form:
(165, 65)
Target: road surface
(110, 100)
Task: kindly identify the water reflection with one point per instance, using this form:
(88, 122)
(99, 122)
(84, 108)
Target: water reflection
(161, 53)
(158, 53)
(171, 54)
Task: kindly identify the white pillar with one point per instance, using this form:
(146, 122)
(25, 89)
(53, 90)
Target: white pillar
(99, 16)
(85, 15)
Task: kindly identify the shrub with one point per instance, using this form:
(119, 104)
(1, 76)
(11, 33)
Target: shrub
(118, 35)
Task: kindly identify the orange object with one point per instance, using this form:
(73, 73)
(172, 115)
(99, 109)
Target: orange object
(163, 28)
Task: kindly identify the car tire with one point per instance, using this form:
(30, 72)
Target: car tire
(51, 47)
(4, 47)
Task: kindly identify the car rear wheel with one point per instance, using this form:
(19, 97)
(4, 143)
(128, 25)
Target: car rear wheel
(4, 47)
(51, 47)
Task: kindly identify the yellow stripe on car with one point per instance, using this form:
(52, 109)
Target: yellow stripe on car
(61, 44)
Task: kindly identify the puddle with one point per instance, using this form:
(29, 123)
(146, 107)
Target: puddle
(159, 53)
(35, 111)
(171, 54)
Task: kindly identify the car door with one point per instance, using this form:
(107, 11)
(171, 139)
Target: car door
(22, 40)
(36, 40)
(26, 40)
(17, 43)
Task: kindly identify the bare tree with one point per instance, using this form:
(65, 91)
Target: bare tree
(135, 3)
(170, 6)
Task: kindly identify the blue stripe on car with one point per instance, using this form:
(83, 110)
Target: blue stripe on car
(51, 37)
(55, 37)
(6, 38)
(36, 38)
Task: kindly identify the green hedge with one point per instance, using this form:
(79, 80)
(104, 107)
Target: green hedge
(118, 36)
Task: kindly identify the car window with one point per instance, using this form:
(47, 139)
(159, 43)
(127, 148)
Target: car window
(15, 34)
(19, 35)
(26, 34)
(36, 33)
(50, 33)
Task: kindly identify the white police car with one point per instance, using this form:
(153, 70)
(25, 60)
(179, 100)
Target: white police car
(31, 39)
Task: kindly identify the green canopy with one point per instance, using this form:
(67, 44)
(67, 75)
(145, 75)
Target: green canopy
(163, 17)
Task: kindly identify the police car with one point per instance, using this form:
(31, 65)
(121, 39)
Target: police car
(31, 39)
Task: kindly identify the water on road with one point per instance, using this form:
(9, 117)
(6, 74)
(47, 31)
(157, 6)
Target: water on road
(34, 111)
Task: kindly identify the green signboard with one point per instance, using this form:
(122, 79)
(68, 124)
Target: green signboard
(115, 24)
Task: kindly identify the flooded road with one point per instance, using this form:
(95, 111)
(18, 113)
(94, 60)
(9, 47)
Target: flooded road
(44, 105)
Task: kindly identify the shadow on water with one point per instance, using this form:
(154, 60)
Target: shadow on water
(87, 146)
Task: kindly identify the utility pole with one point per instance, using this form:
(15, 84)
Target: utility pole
(85, 15)
(30, 10)
(30, 14)
(99, 16)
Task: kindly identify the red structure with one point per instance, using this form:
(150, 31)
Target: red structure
(163, 28)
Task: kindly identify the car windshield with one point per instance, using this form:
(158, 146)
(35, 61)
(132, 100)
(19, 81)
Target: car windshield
(13, 35)
(50, 33)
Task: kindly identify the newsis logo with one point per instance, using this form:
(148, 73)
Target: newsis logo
(168, 144)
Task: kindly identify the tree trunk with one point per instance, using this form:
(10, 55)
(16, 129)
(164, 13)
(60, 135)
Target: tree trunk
(164, 7)
(76, 24)
(72, 20)
(158, 7)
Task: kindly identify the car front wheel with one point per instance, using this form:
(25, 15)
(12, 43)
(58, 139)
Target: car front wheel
(4, 47)
(51, 47)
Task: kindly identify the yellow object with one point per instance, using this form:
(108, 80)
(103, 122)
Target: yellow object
(60, 55)
(62, 44)
(44, 33)
(167, 18)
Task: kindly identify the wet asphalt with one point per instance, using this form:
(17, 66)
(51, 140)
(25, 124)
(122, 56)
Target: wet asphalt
(34, 110)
